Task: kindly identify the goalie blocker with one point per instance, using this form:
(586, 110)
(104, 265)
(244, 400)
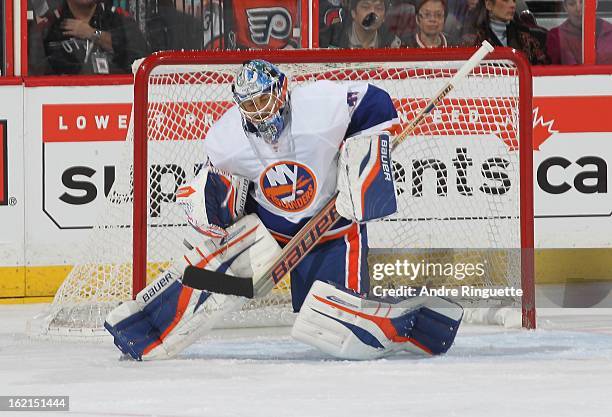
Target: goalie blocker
(365, 181)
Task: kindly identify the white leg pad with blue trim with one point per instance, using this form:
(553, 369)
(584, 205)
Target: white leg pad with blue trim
(166, 317)
(349, 326)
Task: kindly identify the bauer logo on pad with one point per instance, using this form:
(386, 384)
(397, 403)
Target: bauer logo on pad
(288, 185)
(3, 164)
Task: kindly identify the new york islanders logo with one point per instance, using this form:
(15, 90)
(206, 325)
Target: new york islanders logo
(288, 185)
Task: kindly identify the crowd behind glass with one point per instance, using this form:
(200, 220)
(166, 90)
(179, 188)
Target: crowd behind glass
(106, 36)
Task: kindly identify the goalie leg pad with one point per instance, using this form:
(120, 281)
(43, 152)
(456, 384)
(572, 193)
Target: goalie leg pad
(365, 181)
(434, 330)
(167, 316)
(349, 326)
(163, 326)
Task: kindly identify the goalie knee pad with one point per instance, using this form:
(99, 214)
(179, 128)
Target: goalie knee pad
(365, 180)
(349, 326)
(167, 316)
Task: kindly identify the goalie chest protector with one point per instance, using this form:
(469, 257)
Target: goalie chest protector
(298, 179)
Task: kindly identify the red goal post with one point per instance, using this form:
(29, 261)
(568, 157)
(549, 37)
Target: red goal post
(209, 59)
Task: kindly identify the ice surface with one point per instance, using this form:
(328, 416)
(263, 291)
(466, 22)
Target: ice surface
(562, 369)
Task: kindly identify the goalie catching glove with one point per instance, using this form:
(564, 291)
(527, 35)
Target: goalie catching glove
(348, 326)
(167, 316)
(365, 180)
(213, 200)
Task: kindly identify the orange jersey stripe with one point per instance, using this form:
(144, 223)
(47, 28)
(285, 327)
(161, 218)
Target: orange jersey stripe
(354, 252)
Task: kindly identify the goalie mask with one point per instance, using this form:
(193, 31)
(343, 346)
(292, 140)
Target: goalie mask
(260, 91)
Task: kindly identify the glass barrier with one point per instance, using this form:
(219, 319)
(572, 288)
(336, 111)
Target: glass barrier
(218, 24)
(2, 39)
(364, 23)
(431, 23)
(564, 41)
(81, 37)
(105, 36)
(564, 20)
(603, 33)
(547, 31)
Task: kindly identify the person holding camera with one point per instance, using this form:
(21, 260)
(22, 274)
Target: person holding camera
(87, 37)
(364, 29)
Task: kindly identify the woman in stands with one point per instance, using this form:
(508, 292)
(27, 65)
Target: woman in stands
(430, 18)
(496, 21)
(564, 42)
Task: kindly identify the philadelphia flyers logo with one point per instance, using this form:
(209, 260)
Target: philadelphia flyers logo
(288, 185)
(266, 22)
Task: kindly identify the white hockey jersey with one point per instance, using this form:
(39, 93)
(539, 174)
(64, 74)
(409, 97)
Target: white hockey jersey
(294, 182)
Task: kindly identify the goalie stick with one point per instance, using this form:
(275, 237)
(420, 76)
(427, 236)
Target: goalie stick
(301, 244)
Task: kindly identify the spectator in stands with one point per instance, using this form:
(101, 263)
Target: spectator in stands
(88, 37)
(401, 17)
(564, 43)
(364, 29)
(430, 16)
(169, 28)
(460, 12)
(331, 12)
(496, 21)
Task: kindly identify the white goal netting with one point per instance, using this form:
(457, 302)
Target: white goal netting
(458, 184)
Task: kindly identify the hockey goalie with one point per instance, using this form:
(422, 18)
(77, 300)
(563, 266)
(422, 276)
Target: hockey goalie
(274, 160)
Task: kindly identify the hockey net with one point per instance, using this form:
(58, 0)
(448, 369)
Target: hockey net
(463, 179)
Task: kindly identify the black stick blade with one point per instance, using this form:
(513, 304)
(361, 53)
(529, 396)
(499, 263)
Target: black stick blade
(203, 279)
